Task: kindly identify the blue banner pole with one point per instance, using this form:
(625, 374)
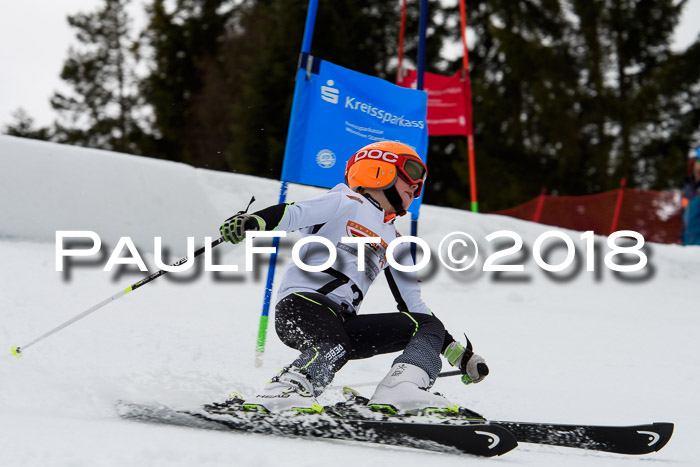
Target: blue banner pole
(422, 28)
(309, 26)
(264, 317)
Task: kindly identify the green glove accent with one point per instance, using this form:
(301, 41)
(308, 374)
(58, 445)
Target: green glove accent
(454, 352)
(472, 366)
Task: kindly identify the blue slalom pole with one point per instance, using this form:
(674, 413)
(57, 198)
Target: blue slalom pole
(264, 317)
(422, 28)
(309, 26)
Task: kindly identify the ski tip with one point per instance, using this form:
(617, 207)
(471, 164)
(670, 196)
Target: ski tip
(665, 431)
(16, 351)
(501, 440)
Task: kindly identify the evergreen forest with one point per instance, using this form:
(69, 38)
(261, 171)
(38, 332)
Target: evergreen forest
(569, 96)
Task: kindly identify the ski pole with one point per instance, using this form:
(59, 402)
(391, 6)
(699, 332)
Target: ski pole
(18, 350)
(481, 367)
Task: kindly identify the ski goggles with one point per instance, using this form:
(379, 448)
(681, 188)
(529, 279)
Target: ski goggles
(413, 171)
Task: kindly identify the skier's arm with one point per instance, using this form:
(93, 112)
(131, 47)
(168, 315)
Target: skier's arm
(288, 217)
(314, 211)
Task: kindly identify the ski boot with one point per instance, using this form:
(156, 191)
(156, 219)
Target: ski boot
(404, 390)
(289, 390)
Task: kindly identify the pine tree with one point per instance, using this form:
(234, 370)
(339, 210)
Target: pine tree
(185, 42)
(102, 110)
(674, 129)
(523, 94)
(24, 126)
(641, 91)
(572, 96)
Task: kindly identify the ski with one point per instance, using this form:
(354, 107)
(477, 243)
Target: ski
(462, 431)
(477, 439)
(637, 439)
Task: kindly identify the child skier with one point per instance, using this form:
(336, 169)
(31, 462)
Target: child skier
(317, 312)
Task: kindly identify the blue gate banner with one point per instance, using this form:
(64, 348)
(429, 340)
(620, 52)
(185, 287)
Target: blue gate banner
(336, 111)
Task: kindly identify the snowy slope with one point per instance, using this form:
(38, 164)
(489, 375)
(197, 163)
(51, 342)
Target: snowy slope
(593, 348)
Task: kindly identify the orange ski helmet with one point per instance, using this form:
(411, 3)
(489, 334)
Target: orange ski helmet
(378, 164)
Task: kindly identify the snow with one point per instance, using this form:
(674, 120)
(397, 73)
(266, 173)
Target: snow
(596, 348)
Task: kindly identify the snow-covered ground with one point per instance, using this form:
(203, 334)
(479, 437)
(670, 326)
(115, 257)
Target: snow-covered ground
(579, 347)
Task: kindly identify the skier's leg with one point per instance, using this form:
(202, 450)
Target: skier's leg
(313, 325)
(303, 320)
(421, 338)
(418, 335)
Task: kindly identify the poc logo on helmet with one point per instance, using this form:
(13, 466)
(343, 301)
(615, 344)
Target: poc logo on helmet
(328, 93)
(377, 154)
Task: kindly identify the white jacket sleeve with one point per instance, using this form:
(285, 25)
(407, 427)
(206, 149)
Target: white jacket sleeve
(311, 212)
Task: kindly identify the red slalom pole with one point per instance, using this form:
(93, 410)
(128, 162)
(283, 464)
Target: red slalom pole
(470, 136)
(618, 205)
(402, 33)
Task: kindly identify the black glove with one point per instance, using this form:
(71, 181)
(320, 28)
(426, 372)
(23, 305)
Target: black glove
(234, 228)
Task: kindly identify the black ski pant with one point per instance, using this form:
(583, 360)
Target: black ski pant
(328, 336)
